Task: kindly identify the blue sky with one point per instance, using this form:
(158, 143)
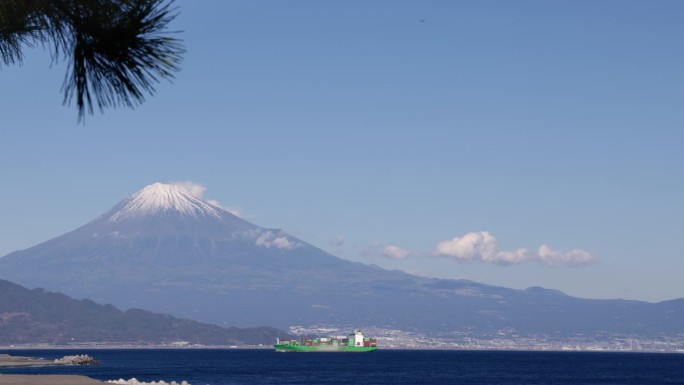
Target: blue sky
(384, 129)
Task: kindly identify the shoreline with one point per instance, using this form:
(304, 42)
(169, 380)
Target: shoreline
(9, 361)
(47, 379)
(4, 348)
(270, 347)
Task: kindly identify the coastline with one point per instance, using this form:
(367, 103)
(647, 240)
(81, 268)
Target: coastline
(46, 379)
(9, 361)
(98, 346)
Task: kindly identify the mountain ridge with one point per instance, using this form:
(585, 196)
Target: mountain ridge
(229, 271)
(40, 316)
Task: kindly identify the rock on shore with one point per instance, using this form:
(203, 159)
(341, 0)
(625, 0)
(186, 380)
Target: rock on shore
(80, 359)
(134, 381)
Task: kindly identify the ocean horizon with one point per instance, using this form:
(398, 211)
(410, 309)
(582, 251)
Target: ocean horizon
(216, 366)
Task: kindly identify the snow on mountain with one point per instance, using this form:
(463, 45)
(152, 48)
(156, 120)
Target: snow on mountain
(161, 209)
(159, 197)
(167, 250)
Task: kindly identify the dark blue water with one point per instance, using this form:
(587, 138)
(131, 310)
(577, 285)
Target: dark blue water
(222, 367)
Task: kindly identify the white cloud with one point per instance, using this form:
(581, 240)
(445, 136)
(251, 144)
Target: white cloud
(194, 189)
(377, 249)
(235, 211)
(482, 247)
(479, 245)
(280, 241)
(197, 191)
(395, 252)
(513, 257)
(576, 257)
(371, 249)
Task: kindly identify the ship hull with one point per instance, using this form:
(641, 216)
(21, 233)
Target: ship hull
(322, 349)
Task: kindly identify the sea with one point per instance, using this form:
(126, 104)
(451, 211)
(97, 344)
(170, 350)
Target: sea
(261, 366)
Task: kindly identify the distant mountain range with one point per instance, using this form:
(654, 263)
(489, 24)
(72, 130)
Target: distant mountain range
(39, 316)
(165, 250)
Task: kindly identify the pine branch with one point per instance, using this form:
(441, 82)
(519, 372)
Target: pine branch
(117, 50)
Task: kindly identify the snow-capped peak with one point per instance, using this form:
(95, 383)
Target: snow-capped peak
(160, 197)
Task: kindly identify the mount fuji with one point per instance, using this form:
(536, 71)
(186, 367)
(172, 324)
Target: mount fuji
(165, 250)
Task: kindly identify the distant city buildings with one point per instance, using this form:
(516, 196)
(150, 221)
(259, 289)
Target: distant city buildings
(508, 339)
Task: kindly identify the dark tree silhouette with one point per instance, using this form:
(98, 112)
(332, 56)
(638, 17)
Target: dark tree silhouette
(117, 50)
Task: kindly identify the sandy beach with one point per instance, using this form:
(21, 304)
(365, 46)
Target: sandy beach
(50, 379)
(7, 361)
(14, 361)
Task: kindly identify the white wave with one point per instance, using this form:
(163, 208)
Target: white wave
(134, 381)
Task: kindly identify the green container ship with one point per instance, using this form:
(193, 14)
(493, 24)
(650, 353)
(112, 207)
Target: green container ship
(354, 342)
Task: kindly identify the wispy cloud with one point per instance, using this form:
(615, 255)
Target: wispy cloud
(235, 211)
(269, 239)
(194, 189)
(339, 241)
(197, 191)
(483, 247)
(372, 249)
(574, 257)
(378, 249)
(395, 252)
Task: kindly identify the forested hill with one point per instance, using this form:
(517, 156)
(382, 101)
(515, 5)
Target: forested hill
(39, 316)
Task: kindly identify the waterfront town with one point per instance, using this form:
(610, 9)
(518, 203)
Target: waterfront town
(507, 339)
